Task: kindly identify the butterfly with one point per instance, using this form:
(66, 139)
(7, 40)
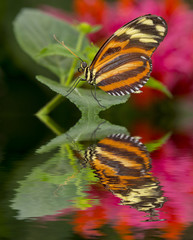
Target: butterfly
(123, 165)
(123, 63)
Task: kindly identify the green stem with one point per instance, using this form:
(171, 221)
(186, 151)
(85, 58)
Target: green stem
(51, 124)
(58, 98)
(51, 105)
(78, 47)
(62, 80)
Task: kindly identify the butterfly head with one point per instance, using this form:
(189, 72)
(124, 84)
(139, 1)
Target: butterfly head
(82, 67)
(89, 76)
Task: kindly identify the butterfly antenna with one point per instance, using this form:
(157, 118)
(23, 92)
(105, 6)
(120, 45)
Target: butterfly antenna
(62, 43)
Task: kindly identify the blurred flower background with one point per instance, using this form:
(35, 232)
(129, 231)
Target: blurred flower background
(172, 61)
(149, 115)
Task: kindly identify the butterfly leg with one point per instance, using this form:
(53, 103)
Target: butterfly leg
(93, 136)
(71, 89)
(94, 96)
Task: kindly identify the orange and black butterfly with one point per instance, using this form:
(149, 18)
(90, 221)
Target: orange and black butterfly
(123, 63)
(123, 165)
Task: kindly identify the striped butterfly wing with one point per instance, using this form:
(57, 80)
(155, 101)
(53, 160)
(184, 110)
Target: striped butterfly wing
(123, 63)
(119, 161)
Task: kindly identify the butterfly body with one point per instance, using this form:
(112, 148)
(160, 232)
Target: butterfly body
(123, 64)
(89, 76)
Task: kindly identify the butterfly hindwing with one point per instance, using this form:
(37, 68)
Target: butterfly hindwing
(123, 63)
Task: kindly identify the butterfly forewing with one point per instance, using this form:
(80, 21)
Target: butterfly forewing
(119, 160)
(123, 63)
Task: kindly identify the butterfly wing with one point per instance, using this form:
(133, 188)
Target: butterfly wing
(123, 63)
(119, 160)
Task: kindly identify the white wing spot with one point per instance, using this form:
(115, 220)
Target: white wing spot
(122, 135)
(132, 31)
(143, 57)
(143, 35)
(148, 40)
(119, 32)
(160, 28)
(148, 22)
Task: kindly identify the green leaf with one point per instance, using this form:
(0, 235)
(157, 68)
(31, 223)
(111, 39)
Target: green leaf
(95, 28)
(87, 129)
(56, 49)
(155, 84)
(34, 31)
(83, 98)
(152, 146)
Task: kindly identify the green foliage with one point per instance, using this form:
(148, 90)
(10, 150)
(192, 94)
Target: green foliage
(60, 182)
(152, 146)
(155, 84)
(35, 30)
(87, 129)
(83, 98)
(54, 185)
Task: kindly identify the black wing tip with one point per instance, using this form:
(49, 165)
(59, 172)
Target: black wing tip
(154, 16)
(160, 19)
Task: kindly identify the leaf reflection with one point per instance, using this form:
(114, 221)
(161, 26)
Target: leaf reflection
(61, 183)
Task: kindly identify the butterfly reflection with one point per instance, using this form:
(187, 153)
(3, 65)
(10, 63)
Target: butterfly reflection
(123, 165)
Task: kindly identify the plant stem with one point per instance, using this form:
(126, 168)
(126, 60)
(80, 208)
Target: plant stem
(51, 124)
(62, 80)
(50, 105)
(78, 47)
